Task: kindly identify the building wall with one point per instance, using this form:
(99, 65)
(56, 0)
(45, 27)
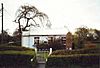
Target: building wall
(28, 42)
(33, 41)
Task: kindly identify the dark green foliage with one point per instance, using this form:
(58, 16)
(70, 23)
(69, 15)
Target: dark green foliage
(22, 59)
(84, 34)
(16, 48)
(17, 60)
(17, 57)
(81, 58)
(78, 51)
(43, 46)
(56, 45)
(5, 36)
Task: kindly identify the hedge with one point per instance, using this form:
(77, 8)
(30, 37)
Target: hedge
(78, 51)
(72, 61)
(17, 57)
(81, 58)
(17, 60)
(17, 48)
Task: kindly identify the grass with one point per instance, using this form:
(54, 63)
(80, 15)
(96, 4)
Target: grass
(16, 50)
(12, 52)
(75, 55)
(43, 54)
(98, 45)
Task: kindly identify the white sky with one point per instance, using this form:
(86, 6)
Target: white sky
(72, 13)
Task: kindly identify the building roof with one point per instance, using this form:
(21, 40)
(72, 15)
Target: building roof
(39, 31)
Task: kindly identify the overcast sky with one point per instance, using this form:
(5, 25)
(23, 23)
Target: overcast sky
(72, 13)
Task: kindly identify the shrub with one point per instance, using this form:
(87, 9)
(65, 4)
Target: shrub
(78, 51)
(80, 58)
(16, 48)
(16, 60)
(67, 61)
(17, 57)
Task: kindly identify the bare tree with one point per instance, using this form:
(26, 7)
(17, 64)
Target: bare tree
(31, 13)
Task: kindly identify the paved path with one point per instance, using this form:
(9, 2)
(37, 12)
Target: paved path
(41, 65)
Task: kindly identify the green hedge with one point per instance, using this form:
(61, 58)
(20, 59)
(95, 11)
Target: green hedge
(78, 51)
(17, 48)
(73, 61)
(17, 57)
(17, 60)
(81, 58)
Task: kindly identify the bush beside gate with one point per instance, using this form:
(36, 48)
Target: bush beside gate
(17, 57)
(82, 58)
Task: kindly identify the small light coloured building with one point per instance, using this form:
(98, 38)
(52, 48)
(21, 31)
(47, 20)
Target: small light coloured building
(36, 36)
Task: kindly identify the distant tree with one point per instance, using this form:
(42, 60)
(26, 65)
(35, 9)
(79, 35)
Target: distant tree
(82, 34)
(16, 35)
(75, 41)
(94, 35)
(30, 13)
(6, 37)
(16, 38)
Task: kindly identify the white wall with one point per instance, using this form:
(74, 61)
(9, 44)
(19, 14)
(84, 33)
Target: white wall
(28, 42)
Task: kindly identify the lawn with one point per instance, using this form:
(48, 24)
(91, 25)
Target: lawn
(43, 54)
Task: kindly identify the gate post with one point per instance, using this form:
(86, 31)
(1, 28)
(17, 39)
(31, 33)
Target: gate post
(50, 51)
